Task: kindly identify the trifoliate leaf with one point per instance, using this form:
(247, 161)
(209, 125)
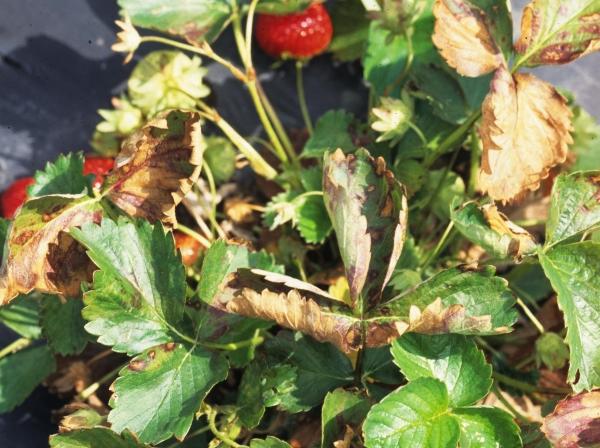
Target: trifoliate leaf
(165, 80)
(574, 421)
(342, 409)
(350, 30)
(320, 368)
(458, 300)
(140, 289)
(21, 373)
(63, 176)
(157, 166)
(525, 132)
(195, 21)
(586, 141)
(269, 442)
(558, 32)
(368, 210)
(452, 359)
(414, 415)
(551, 350)
(94, 438)
(482, 426)
(486, 226)
(573, 272)
(574, 208)
(220, 157)
(222, 259)
(40, 254)
(331, 132)
(62, 325)
(23, 316)
(471, 35)
(158, 393)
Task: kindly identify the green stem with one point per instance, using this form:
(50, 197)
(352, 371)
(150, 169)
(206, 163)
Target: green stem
(190, 436)
(254, 341)
(534, 320)
(15, 346)
(507, 404)
(407, 66)
(440, 184)
(92, 388)
(440, 246)
(287, 144)
(453, 139)
(211, 416)
(530, 388)
(474, 164)
(193, 234)
(212, 216)
(419, 133)
(249, 29)
(302, 97)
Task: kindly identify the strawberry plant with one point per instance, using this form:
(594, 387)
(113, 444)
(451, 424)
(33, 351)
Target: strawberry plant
(423, 275)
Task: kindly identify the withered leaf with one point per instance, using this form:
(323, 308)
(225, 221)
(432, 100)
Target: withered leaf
(247, 293)
(157, 166)
(525, 132)
(40, 254)
(575, 422)
(557, 32)
(368, 210)
(469, 38)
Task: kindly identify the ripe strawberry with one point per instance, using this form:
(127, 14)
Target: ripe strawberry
(14, 196)
(189, 247)
(99, 166)
(299, 35)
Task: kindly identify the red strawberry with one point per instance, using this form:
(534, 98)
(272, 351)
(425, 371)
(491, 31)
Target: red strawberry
(300, 35)
(99, 166)
(14, 196)
(189, 247)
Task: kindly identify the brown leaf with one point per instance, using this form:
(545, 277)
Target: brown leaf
(157, 166)
(464, 39)
(41, 254)
(521, 241)
(575, 422)
(525, 132)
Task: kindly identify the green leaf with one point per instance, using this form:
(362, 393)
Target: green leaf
(157, 395)
(368, 210)
(486, 226)
(269, 442)
(415, 415)
(320, 368)
(23, 316)
(586, 140)
(222, 259)
(21, 373)
(312, 220)
(448, 188)
(378, 365)
(220, 156)
(62, 325)
(195, 20)
(573, 272)
(282, 6)
(574, 208)
(142, 259)
(350, 30)
(4, 229)
(482, 426)
(480, 302)
(341, 408)
(453, 359)
(331, 132)
(555, 32)
(64, 176)
(529, 282)
(94, 438)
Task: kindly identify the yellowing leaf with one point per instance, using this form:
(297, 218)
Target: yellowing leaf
(574, 421)
(521, 241)
(558, 31)
(157, 166)
(463, 36)
(525, 132)
(40, 254)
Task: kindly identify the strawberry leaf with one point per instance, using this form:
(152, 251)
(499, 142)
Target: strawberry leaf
(94, 438)
(452, 359)
(62, 325)
(331, 132)
(269, 442)
(139, 292)
(573, 272)
(574, 421)
(574, 207)
(485, 426)
(368, 210)
(194, 21)
(63, 176)
(342, 409)
(21, 373)
(23, 316)
(350, 30)
(159, 392)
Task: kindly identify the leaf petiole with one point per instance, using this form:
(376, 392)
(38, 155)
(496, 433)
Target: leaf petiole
(302, 97)
(15, 346)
